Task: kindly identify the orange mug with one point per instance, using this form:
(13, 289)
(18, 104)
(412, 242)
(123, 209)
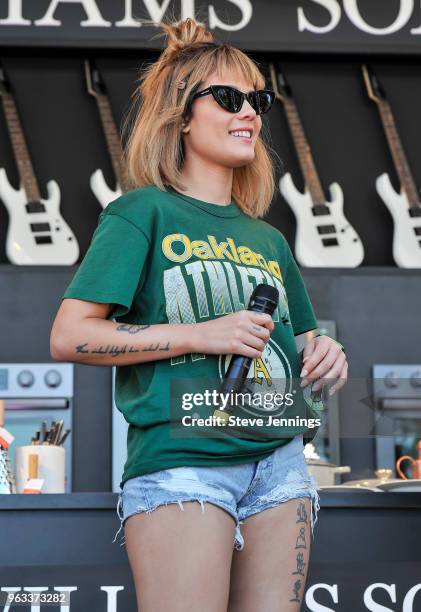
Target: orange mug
(416, 464)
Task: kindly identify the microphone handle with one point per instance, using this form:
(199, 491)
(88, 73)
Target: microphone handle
(239, 366)
(236, 374)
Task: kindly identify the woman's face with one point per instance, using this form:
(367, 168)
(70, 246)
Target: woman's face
(208, 133)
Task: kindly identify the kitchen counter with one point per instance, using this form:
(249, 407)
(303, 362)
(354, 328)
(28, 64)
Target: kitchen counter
(108, 501)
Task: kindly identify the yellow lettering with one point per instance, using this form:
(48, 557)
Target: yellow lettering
(275, 269)
(221, 249)
(201, 249)
(262, 261)
(260, 372)
(179, 248)
(167, 244)
(247, 256)
(233, 249)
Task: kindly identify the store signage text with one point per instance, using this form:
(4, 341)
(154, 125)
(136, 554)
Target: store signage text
(352, 11)
(368, 597)
(335, 11)
(155, 9)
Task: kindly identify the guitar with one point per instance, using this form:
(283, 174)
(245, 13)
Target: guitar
(405, 206)
(103, 193)
(37, 233)
(324, 237)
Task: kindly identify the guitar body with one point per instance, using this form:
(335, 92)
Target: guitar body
(102, 192)
(406, 244)
(97, 88)
(341, 247)
(52, 243)
(405, 207)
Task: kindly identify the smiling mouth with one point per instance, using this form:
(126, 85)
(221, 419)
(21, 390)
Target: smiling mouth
(243, 136)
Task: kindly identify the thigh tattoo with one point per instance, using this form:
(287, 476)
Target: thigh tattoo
(302, 551)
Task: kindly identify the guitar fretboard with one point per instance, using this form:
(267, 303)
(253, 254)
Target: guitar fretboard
(304, 154)
(398, 154)
(20, 149)
(113, 140)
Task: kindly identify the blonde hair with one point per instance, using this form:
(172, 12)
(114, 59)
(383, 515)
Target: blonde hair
(154, 151)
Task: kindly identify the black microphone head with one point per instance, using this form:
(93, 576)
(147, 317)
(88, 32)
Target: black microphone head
(264, 298)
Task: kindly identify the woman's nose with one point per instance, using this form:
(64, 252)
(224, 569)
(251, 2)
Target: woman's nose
(247, 110)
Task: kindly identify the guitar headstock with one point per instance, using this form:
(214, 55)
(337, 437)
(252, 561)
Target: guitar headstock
(374, 89)
(94, 83)
(4, 82)
(279, 83)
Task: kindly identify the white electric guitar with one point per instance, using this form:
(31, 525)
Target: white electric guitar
(37, 233)
(324, 237)
(103, 193)
(405, 206)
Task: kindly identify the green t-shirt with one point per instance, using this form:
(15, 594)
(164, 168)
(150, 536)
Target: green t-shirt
(164, 257)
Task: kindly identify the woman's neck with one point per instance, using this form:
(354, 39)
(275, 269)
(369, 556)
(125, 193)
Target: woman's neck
(208, 183)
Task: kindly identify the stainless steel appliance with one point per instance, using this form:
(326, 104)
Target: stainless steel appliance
(33, 393)
(397, 412)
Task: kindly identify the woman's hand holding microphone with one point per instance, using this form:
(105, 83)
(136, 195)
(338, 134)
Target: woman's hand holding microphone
(244, 332)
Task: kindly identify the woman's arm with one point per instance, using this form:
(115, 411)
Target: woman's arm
(81, 333)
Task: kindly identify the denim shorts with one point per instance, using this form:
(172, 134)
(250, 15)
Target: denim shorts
(241, 490)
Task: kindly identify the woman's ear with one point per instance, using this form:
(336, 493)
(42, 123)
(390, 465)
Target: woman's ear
(185, 127)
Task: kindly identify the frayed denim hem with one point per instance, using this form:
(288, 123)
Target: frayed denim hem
(238, 538)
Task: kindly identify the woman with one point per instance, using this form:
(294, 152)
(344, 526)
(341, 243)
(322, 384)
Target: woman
(174, 262)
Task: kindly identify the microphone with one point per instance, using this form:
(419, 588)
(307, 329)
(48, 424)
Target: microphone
(263, 299)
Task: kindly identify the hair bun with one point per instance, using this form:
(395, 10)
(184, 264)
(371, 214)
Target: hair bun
(182, 34)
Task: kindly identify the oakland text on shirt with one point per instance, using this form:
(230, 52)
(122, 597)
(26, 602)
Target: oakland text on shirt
(229, 270)
(216, 250)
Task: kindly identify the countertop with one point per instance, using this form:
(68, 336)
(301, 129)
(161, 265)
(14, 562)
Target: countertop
(108, 500)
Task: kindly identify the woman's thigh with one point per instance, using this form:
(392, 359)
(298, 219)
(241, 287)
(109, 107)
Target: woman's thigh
(269, 575)
(181, 561)
(277, 516)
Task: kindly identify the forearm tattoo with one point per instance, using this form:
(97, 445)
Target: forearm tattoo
(131, 329)
(115, 351)
(112, 349)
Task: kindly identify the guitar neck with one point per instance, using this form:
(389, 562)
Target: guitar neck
(112, 139)
(398, 154)
(23, 160)
(303, 150)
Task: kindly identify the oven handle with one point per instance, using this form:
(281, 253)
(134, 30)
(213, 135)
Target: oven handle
(17, 404)
(401, 403)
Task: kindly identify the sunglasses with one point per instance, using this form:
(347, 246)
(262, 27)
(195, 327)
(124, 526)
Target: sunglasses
(232, 99)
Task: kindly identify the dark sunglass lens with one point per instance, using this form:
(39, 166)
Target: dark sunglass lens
(265, 101)
(229, 98)
(261, 101)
